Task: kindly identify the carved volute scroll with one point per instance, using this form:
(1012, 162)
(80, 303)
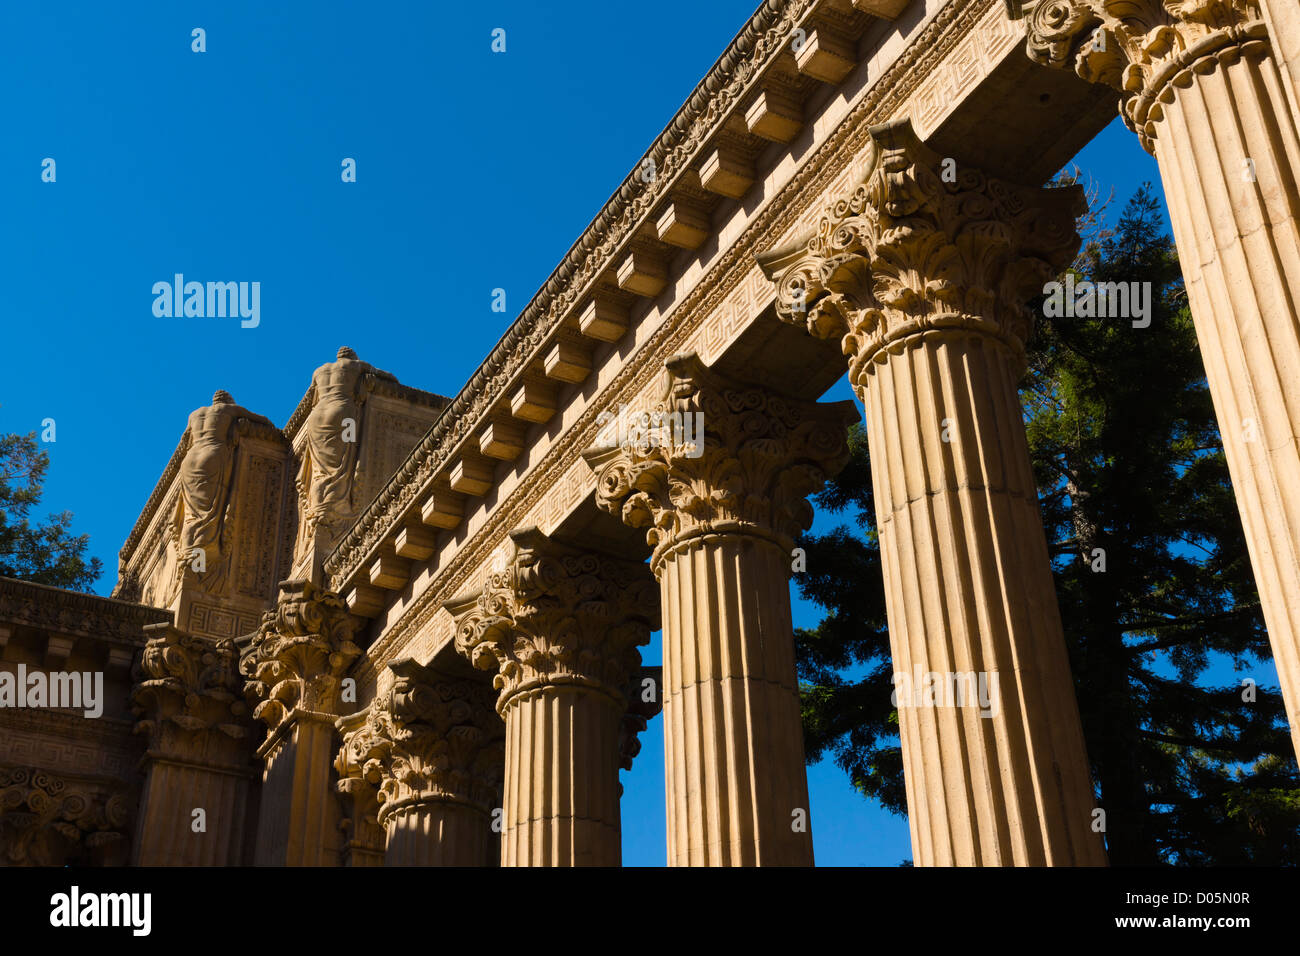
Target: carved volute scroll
(1145, 49)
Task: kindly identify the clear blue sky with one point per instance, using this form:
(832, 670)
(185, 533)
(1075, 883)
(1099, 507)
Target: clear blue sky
(475, 171)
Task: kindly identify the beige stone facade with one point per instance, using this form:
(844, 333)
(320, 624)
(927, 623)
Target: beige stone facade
(404, 630)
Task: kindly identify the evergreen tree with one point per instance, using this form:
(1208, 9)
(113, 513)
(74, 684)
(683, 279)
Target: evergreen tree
(1152, 575)
(46, 553)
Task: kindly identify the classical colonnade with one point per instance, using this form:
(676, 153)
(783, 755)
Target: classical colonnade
(922, 279)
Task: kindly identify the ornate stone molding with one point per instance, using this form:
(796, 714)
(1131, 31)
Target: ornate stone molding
(554, 615)
(950, 26)
(923, 244)
(298, 657)
(762, 455)
(716, 97)
(69, 612)
(430, 738)
(1143, 48)
(46, 819)
(186, 687)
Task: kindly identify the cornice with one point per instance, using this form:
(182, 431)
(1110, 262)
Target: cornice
(948, 28)
(703, 115)
(72, 612)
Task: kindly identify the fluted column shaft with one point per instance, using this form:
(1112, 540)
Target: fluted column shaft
(173, 790)
(438, 833)
(1239, 247)
(737, 790)
(561, 628)
(718, 474)
(969, 592)
(1283, 19)
(561, 791)
(298, 820)
(1212, 94)
(923, 278)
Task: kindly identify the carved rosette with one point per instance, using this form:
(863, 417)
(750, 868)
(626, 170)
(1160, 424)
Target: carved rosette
(761, 456)
(430, 738)
(297, 658)
(46, 820)
(910, 252)
(185, 687)
(555, 615)
(1144, 48)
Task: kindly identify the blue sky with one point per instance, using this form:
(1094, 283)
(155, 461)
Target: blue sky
(475, 171)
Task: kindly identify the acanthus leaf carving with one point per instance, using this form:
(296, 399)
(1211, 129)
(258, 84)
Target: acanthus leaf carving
(761, 455)
(429, 738)
(1142, 48)
(553, 615)
(914, 250)
(298, 657)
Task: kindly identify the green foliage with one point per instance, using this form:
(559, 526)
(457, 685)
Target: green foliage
(1127, 457)
(46, 553)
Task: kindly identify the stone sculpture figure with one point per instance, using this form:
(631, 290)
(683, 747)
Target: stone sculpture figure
(327, 478)
(206, 474)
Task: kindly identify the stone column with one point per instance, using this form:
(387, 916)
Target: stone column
(432, 745)
(561, 628)
(194, 804)
(1211, 93)
(721, 489)
(294, 666)
(924, 281)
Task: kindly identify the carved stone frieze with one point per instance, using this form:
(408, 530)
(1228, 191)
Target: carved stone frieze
(47, 820)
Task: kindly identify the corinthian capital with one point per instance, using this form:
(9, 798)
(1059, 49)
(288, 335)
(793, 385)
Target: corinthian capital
(430, 738)
(187, 686)
(1143, 48)
(923, 244)
(297, 658)
(553, 615)
(743, 460)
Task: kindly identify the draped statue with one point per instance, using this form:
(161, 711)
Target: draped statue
(206, 480)
(327, 479)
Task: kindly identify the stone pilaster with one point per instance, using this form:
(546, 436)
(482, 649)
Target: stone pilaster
(294, 666)
(194, 804)
(432, 748)
(924, 283)
(1210, 88)
(721, 511)
(561, 628)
